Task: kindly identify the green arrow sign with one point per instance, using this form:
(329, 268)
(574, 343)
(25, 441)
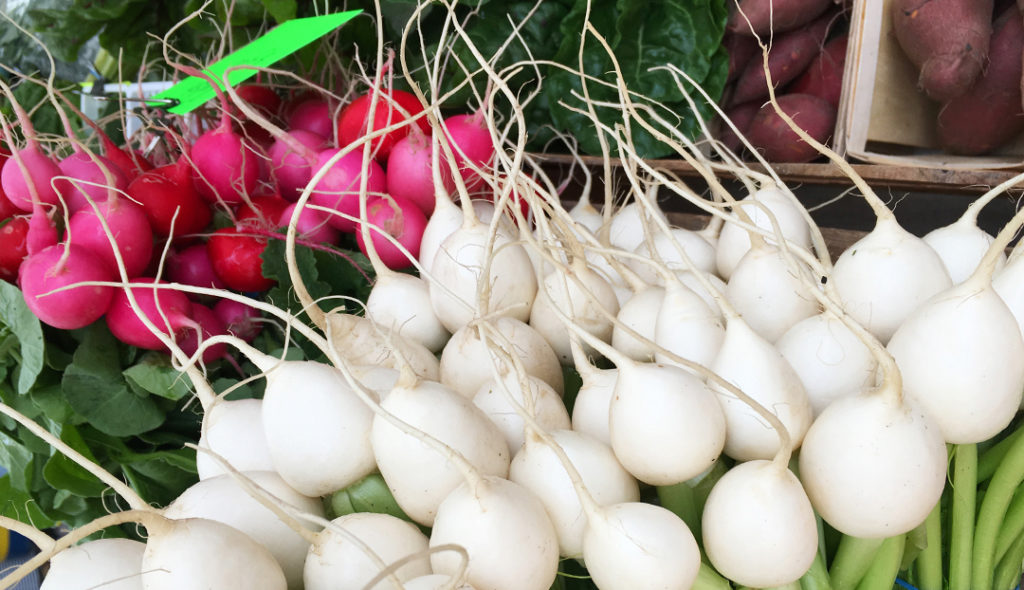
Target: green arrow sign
(278, 43)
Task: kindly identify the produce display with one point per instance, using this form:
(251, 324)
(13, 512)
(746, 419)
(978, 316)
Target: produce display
(310, 340)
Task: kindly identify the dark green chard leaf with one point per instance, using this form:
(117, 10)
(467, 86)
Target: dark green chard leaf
(63, 473)
(23, 325)
(155, 375)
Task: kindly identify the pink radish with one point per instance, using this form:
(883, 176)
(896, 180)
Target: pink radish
(471, 145)
(292, 168)
(339, 188)
(390, 108)
(410, 171)
(89, 168)
(207, 324)
(240, 319)
(59, 266)
(313, 225)
(400, 219)
(27, 174)
(192, 266)
(165, 308)
(226, 169)
(313, 116)
(128, 226)
(169, 199)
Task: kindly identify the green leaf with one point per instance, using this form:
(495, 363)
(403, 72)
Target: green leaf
(96, 389)
(160, 476)
(281, 10)
(63, 473)
(326, 274)
(19, 505)
(25, 325)
(155, 375)
(18, 461)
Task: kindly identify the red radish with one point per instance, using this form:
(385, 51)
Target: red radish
(58, 266)
(42, 232)
(471, 145)
(313, 225)
(239, 319)
(192, 266)
(7, 208)
(29, 170)
(165, 308)
(13, 247)
(92, 169)
(168, 190)
(339, 188)
(128, 226)
(261, 212)
(410, 171)
(314, 116)
(400, 219)
(226, 169)
(211, 325)
(235, 254)
(353, 123)
(264, 99)
(293, 169)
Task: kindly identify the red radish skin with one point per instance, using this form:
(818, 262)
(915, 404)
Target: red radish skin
(81, 166)
(41, 169)
(239, 319)
(192, 266)
(129, 227)
(42, 232)
(314, 116)
(58, 266)
(156, 304)
(471, 145)
(291, 169)
(313, 225)
(410, 171)
(777, 142)
(211, 325)
(824, 77)
(261, 212)
(236, 256)
(13, 247)
(353, 123)
(400, 219)
(166, 190)
(339, 188)
(226, 169)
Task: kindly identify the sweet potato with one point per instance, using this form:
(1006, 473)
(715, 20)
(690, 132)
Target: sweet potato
(741, 115)
(774, 138)
(948, 41)
(774, 16)
(990, 113)
(741, 49)
(788, 58)
(824, 77)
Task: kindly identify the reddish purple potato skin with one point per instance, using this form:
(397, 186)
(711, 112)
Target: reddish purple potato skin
(741, 116)
(789, 57)
(771, 136)
(774, 16)
(990, 113)
(948, 41)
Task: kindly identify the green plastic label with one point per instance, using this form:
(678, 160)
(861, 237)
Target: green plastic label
(278, 43)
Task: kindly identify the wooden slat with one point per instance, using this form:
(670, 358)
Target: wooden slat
(898, 177)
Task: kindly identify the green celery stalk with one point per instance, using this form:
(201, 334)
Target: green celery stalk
(928, 565)
(1003, 485)
(816, 577)
(1008, 570)
(1013, 524)
(709, 579)
(882, 572)
(961, 536)
(993, 456)
(852, 560)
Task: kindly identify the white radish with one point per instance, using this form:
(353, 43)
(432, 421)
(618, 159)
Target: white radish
(687, 327)
(537, 468)
(639, 313)
(734, 240)
(111, 564)
(401, 303)
(225, 500)
(758, 525)
(590, 412)
(770, 292)
(628, 225)
(337, 561)
(435, 582)
(666, 247)
(362, 342)
(465, 361)
(584, 296)
(497, 397)
(234, 430)
(962, 244)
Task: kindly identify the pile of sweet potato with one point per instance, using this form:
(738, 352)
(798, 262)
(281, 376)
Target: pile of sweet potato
(969, 56)
(806, 43)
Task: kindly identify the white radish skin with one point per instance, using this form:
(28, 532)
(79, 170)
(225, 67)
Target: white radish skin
(579, 293)
(639, 546)
(628, 225)
(317, 427)
(225, 500)
(886, 275)
(434, 582)
(511, 542)
(734, 241)
(418, 475)
(692, 282)
(587, 216)
(768, 292)
(1009, 283)
(700, 253)
(335, 562)
(639, 313)
(961, 246)
(234, 430)
(590, 413)
(201, 553)
(443, 222)
(362, 342)
(537, 468)
(829, 359)
(664, 407)
(687, 327)
(466, 359)
(959, 355)
(380, 380)
(541, 402)
(110, 564)
(873, 466)
(457, 275)
(756, 368)
(758, 525)
(401, 303)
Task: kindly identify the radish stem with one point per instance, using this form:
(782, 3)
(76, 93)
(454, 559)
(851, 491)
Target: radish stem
(929, 562)
(852, 560)
(961, 535)
(1005, 481)
(885, 566)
